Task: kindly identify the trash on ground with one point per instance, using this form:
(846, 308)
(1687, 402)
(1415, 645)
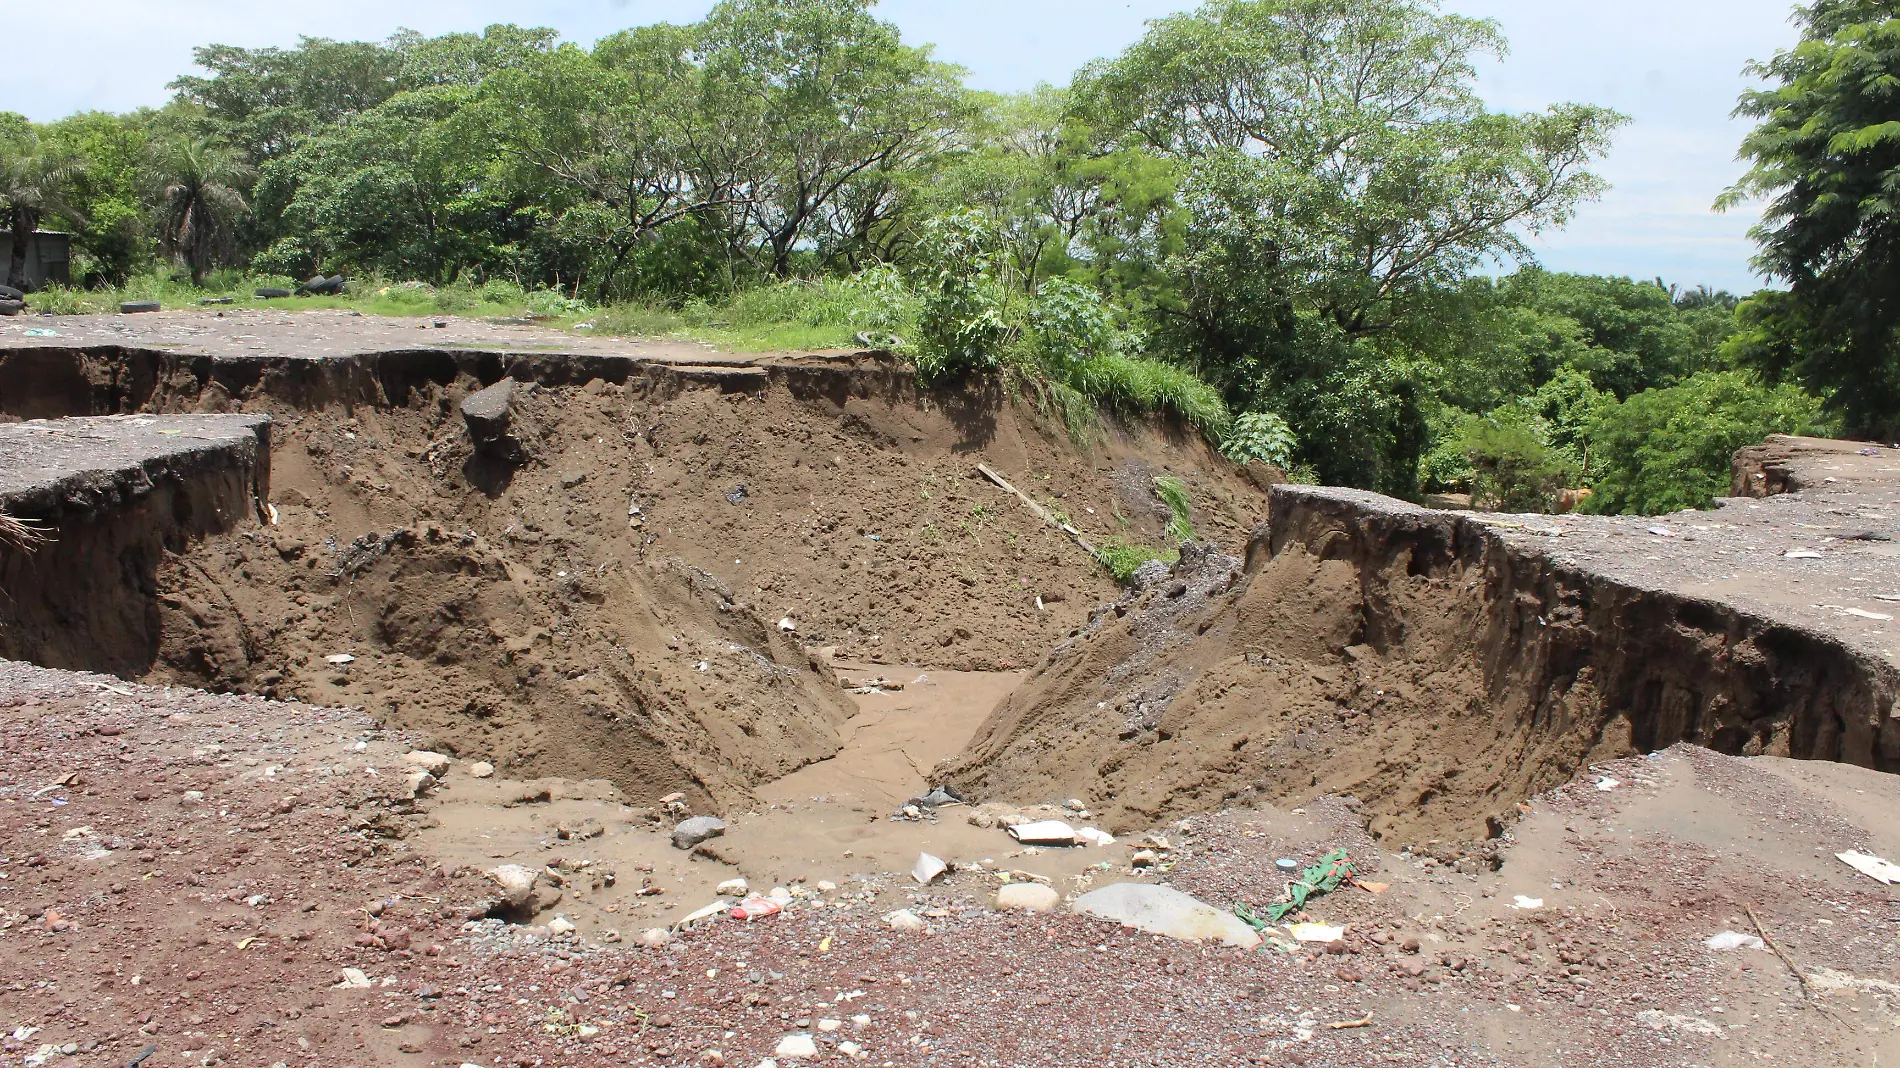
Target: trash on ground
(755, 908)
(339, 658)
(1606, 784)
(717, 908)
(928, 868)
(1523, 902)
(1044, 832)
(1871, 866)
(1095, 836)
(42, 332)
(1163, 910)
(1734, 940)
(1317, 881)
(1315, 932)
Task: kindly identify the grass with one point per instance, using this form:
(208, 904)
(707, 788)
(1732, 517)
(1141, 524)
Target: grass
(19, 535)
(1122, 560)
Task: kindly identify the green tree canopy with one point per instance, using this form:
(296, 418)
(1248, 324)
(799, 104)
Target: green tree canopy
(1826, 154)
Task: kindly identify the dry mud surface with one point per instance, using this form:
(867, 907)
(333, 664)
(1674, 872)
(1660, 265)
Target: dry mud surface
(1510, 724)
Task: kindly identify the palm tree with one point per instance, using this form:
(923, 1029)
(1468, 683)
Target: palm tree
(32, 180)
(198, 202)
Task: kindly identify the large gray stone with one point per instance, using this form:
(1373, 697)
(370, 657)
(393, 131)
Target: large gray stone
(696, 830)
(488, 413)
(1163, 910)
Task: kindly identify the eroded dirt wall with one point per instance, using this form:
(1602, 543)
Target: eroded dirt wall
(1412, 659)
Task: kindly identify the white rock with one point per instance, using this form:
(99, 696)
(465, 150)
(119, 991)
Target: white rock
(1143, 858)
(1316, 932)
(515, 882)
(830, 1025)
(1095, 836)
(654, 937)
(779, 896)
(796, 1046)
(1044, 832)
(561, 925)
(928, 868)
(433, 763)
(419, 784)
(481, 769)
(905, 920)
(1164, 910)
(1075, 804)
(1029, 897)
(354, 977)
(732, 888)
(826, 886)
(851, 1049)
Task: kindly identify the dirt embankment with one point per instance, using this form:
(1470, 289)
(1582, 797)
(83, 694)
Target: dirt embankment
(107, 503)
(1417, 660)
(648, 589)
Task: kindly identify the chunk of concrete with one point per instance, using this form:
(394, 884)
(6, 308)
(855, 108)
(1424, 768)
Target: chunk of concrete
(515, 882)
(489, 414)
(433, 763)
(696, 830)
(1044, 833)
(1163, 910)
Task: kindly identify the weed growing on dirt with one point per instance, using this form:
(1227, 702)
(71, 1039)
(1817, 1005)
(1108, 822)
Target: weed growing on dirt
(1174, 494)
(1122, 560)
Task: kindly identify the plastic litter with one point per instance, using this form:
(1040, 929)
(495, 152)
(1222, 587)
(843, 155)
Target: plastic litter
(1523, 902)
(1871, 866)
(1734, 940)
(1316, 932)
(928, 868)
(1606, 784)
(40, 331)
(755, 908)
(339, 658)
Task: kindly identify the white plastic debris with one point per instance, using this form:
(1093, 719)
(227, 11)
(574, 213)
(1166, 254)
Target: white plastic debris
(1733, 940)
(1095, 836)
(1316, 932)
(1606, 784)
(1044, 832)
(339, 658)
(1871, 866)
(1801, 554)
(1523, 902)
(787, 624)
(928, 868)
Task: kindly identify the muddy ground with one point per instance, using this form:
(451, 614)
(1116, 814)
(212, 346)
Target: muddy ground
(600, 636)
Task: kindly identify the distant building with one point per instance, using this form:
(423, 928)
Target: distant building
(48, 259)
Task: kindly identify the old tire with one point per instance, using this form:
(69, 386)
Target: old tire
(134, 307)
(272, 293)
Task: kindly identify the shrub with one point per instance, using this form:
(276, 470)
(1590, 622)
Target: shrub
(1122, 561)
(962, 325)
(1261, 437)
(1668, 449)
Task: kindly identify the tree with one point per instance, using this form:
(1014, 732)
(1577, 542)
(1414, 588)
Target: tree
(1668, 449)
(832, 97)
(199, 205)
(1827, 155)
(1339, 162)
(34, 181)
(108, 198)
(263, 101)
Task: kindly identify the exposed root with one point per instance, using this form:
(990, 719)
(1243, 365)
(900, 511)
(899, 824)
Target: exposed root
(20, 535)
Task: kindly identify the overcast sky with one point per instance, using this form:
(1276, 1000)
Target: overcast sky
(1673, 66)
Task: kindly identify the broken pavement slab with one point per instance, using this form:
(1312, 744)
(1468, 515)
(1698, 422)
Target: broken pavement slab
(1163, 910)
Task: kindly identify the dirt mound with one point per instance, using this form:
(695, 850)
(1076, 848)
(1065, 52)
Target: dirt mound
(1432, 668)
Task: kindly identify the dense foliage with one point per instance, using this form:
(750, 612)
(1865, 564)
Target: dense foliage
(1281, 220)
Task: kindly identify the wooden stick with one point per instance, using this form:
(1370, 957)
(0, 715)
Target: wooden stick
(1041, 513)
(1807, 989)
(1347, 1025)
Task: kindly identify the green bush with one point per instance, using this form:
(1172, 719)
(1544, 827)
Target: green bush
(1668, 449)
(1514, 469)
(1261, 437)
(962, 322)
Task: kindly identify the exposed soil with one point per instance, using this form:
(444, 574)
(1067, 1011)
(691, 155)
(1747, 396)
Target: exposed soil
(647, 593)
(591, 603)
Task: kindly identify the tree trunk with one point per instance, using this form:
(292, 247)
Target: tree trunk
(24, 222)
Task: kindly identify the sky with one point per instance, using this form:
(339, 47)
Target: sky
(1673, 66)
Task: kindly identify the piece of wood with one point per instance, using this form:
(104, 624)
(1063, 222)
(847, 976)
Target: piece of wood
(1042, 513)
(1347, 1025)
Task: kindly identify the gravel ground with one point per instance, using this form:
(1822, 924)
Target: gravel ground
(196, 873)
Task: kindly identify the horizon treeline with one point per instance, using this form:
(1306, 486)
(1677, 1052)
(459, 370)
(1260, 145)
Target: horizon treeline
(1282, 220)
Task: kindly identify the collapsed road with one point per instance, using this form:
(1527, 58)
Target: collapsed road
(351, 713)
